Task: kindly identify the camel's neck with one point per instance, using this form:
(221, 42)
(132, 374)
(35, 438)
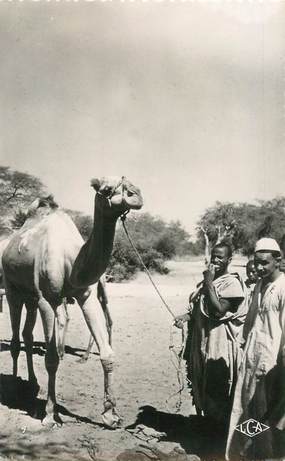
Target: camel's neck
(93, 258)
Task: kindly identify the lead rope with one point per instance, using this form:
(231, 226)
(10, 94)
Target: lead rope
(176, 358)
(123, 219)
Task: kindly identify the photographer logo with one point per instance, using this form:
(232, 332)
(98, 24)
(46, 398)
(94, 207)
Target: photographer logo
(251, 427)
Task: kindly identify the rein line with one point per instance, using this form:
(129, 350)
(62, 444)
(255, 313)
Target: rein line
(123, 219)
(177, 356)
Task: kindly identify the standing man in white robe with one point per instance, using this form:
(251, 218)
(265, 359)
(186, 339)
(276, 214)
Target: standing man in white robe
(260, 388)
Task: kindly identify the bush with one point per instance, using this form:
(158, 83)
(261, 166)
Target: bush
(155, 240)
(124, 263)
(166, 246)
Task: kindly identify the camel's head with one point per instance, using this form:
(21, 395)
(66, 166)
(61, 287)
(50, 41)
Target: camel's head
(120, 194)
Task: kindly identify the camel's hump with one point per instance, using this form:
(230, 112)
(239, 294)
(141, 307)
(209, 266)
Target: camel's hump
(56, 230)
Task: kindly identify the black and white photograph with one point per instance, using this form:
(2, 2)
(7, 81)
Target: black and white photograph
(142, 230)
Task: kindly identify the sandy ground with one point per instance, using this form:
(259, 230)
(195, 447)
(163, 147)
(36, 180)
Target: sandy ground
(145, 383)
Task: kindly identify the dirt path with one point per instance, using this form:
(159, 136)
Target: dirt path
(145, 379)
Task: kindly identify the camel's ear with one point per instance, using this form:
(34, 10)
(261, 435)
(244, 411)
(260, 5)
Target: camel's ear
(96, 184)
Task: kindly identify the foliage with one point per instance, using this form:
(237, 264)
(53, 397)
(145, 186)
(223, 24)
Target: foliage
(83, 222)
(18, 190)
(156, 241)
(249, 222)
(18, 218)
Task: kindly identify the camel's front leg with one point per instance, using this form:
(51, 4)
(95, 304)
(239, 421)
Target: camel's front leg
(110, 415)
(51, 361)
(96, 321)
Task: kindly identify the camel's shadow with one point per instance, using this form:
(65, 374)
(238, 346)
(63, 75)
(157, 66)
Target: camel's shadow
(39, 348)
(19, 394)
(196, 434)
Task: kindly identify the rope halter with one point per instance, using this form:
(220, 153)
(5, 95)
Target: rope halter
(113, 190)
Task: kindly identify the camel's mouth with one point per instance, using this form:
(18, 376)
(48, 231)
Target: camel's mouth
(131, 195)
(129, 198)
(133, 199)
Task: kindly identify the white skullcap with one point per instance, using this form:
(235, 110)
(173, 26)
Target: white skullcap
(267, 244)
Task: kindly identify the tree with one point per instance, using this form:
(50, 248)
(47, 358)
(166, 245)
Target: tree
(18, 218)
(241, 224)
(204, 230)
(179, 238)
(18, 190)
(217, 224)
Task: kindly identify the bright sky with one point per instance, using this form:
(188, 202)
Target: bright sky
(186, 99)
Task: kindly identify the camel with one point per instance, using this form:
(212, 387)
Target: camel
(62, 313)
(3, 243)
(47, 261)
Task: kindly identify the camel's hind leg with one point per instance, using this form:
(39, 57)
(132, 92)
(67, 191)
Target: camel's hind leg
(15, 307)
(27, 333)
(51, 360)
(103, 299)
(29, 339)
(86, 354)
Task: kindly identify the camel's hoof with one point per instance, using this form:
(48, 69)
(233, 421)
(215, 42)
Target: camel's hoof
(111, 419)
(52, 421)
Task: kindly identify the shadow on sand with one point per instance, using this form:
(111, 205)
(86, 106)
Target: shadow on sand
(19, 394)
(39, 348)
(196, 434)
